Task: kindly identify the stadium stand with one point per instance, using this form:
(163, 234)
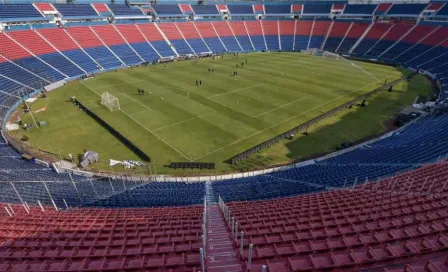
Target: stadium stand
(62, 42)
(256, 34)
(165, 10)
(171, 31)
(39, 47)
(406, 9)
(277, 9)
(155, 38)
(76, 10)
(240, 31)
(192, 36)
(124, 10)
(14, 11)
(102, 239)
(286, 29)
(271, 35)
(319, 32)
(303, 33)
(393, 35)
(317, 9)
(226, 35)
(336, 35)
(376, 206)
(210, 37)
(316, 232)
(375, 33)
(359, 9)
(91, 43)
(240, 9)
(205, 9)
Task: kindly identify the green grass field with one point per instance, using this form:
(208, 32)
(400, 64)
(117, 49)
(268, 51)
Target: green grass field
(178, 121)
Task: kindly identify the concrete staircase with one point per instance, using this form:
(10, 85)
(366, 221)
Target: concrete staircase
(220, 253)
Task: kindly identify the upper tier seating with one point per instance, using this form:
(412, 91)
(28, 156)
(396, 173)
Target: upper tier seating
(240, 9)
(359, 9)
(443, 11)
(11, 11)
(76, 10)
(277, 9)
(161, 9)
(124, 10)
(407, 9)
(317, 9)
(205, 9)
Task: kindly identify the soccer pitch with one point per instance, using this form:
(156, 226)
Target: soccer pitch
(175, 120)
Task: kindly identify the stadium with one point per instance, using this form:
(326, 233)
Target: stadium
(223, 136)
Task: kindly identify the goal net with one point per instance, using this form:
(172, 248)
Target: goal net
(110, 102)
(330, 55)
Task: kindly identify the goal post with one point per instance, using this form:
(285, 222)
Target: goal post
(110, 101)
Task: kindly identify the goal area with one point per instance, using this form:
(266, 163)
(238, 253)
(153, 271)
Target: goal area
(110, 102)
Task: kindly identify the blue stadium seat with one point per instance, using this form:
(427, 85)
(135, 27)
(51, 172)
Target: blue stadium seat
(124, 10)
(76, 10)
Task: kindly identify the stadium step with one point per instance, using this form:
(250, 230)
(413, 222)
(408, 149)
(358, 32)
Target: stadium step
(209, 194)
(220, 254)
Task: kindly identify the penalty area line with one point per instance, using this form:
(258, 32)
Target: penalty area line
(172, 147)
(184, 121)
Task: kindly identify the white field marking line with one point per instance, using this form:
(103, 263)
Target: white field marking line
(178, 94)
(150, 131)
(300, 99)
(137, 101)
(172, 147)
(182, 89)
(237, 90)
(138, 112)
(184, 121)
(224, 105)
(286, 120)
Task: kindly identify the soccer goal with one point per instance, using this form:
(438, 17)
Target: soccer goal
(330, 55)
(110, 102)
